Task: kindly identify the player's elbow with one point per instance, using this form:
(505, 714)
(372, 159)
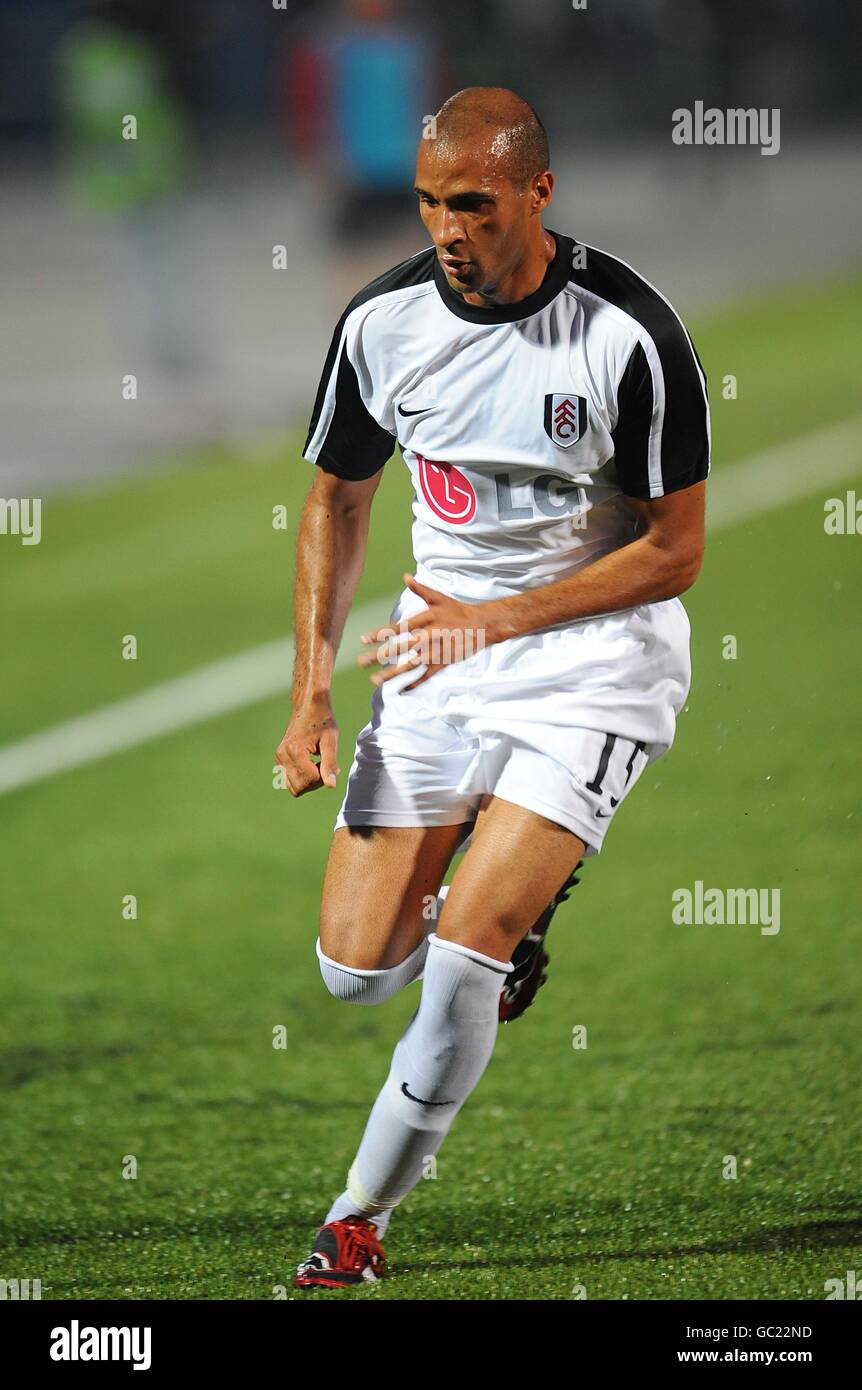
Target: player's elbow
(346, 497)
(676, 566)
(688, 568)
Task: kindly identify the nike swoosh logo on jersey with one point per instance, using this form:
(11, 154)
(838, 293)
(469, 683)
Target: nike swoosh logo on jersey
(405, 1092)
(421, 411)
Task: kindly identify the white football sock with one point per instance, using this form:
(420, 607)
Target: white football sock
(436, 1065)
(345, 1205)
(355, 986)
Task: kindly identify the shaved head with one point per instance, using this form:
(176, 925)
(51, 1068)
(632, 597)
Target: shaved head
(500, 123)
(483, 183)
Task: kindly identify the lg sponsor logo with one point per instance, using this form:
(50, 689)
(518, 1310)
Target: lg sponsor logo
(447, 492)
(451, 495)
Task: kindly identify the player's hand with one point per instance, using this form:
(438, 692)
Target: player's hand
(444, 632)
(312, 729)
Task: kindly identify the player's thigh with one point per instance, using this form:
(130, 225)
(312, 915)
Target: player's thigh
(516, 863)
(378, 879)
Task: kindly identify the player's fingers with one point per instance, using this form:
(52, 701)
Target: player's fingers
(423, 590)
(366, 661)
(301, 773)
(429, 671)
(329, 768)
(406, 627)
(419, 620)
(385, 653)
(389, 648)
(410, 665)
(383, 634)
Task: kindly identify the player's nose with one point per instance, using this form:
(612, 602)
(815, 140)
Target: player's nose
(448, 231)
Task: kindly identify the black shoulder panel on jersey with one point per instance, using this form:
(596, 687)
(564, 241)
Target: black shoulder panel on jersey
(634, 425)
(356, 446)
(680, 434)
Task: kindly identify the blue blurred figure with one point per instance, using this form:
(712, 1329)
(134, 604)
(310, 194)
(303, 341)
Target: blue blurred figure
(358, 88)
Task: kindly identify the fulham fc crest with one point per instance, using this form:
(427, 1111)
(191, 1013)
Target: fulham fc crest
(565, 418)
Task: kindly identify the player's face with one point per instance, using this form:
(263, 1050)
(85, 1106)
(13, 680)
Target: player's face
(480, 222)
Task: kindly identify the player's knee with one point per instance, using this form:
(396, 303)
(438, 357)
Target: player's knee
(355, 986)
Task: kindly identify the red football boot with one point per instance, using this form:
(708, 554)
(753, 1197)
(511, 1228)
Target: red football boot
(345, 1252)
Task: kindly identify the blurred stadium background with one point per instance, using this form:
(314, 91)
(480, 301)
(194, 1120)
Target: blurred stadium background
(296, 127)
(152, 1037)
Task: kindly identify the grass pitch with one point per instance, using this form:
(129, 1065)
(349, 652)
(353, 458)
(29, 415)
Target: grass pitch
(570, 1170)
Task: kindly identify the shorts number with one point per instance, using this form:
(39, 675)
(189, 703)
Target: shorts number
(610, 744)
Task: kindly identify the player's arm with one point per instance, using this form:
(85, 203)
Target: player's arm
(331, 545)
(661, 563)
(350, 447)
(661, 458)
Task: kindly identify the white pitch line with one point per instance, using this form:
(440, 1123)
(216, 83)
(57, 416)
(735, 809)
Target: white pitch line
(775, 477)
(174, 704)
(761, 483)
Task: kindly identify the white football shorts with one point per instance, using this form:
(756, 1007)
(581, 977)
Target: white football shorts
(562, 722)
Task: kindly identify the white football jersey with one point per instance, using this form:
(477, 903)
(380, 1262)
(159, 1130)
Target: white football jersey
(525, 426)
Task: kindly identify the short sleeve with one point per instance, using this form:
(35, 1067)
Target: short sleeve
(662, 435)
(343, 436)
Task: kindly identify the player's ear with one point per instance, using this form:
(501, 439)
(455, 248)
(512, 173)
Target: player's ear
(542, 190)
